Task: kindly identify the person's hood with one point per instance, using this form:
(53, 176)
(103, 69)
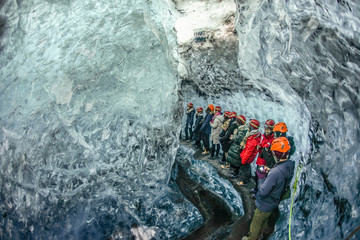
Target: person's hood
(287, 168)
(220, 117)
(242, 127)
(190, 110)
(269, 136)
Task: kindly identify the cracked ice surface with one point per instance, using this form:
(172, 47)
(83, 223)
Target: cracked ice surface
(309, 50)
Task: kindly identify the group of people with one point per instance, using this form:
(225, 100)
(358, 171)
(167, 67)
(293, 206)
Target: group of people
(241, 143)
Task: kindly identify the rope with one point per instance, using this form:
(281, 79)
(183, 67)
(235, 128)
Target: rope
(298, 172)
(353, 232)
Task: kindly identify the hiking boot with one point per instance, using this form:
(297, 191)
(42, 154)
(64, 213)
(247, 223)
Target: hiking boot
(226, 165)
(205, 152)
(241, 183)
(212, 157)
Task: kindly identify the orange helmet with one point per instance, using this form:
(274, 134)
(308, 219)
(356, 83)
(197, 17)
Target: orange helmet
(211, 107)
(280, 144)
(280, 127)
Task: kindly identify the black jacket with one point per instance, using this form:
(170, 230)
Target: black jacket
(225, 135)
(198, 122)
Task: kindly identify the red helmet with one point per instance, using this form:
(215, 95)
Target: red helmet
(241, 118)
(280, 127)
(254, 123)
(218, 108)
(200, 109)
(190, 105)
(270, 124)
(226, 114)
(232, 115)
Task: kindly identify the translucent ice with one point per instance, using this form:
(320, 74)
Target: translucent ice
(88, 96)
(307, 53)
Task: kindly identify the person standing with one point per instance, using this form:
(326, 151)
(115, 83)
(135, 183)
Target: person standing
(233, 156)
(227, 130)
(265, 160)
(251, 142)
(206, 128)
(190, 112)
(280, 130)
(270, 192)
(216, 124)
(198, 123)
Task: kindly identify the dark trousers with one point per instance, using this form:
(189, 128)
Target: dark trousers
(236, 170)
(206, 140)
(246, 173)
(188, 131)
(213, 146)
(225, 149)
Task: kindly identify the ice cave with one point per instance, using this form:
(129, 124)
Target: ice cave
(92, 102)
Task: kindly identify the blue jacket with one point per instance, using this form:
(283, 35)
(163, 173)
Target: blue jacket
(190, 118)
(270, 192)
(206, 128)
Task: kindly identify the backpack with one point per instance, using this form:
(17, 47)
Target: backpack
(286, 193)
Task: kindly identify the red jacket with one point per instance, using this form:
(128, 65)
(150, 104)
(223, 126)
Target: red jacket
(249, 153)
(265, 143)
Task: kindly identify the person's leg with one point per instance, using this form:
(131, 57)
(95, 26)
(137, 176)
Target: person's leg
(203, 139)
(257, 223)
(191, 133)
(217, 149)
(235, 172)
(186, 132)
(247, 173)
(212, 149)
(255, 189)
(223, 160)
(207, 140)
(198, 143)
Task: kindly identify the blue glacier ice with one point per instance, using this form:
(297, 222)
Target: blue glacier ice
(91, 106)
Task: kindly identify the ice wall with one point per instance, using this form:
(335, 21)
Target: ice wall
(308, 52)
(87, 105)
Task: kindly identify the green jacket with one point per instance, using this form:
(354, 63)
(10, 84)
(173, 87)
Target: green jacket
(233, 156)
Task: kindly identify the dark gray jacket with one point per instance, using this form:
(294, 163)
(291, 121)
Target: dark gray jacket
(206, 128)
(269, 194)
